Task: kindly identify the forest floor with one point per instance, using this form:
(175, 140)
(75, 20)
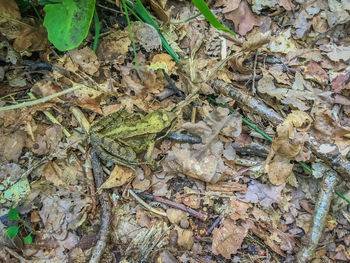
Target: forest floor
(251, 135)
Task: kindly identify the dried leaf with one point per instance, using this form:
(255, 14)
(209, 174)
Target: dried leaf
(243, 18)
(338, 53)
(113, 48)
(146, 35)
(185, 238)
(315, 72)
(264, 194)
(119, 176)
(341, 82)
(86, 59)
(229, 237)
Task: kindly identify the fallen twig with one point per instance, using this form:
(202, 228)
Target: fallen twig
(192, 212)
(321, 211)
(215, 224)
(41, 100)
(106, 211)
(138, 199)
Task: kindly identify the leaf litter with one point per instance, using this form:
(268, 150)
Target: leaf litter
(287, 72)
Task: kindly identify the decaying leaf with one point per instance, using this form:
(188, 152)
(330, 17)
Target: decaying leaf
(146, 35)
(28, 34)
(288, 144)
(264, 194)
(185, 238)
(229, 237)
(113, 48)
(203, 161)
(119, 176)
(243, 18)
(86, 59)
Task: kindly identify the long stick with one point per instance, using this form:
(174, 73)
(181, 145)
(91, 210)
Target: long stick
(321, 211)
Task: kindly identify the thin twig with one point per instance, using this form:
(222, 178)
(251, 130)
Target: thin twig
(106, 211)
(16, 255)
(150, 208)
(192, 212)
(254, 72)
(41, 100)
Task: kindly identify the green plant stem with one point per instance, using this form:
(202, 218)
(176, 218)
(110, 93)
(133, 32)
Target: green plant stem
(97, 30)
(342, 197)
(131, 35)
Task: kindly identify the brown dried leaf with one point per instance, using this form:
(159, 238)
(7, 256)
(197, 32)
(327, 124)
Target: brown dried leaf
(301, 24)
(146, 35)
(86, 59)
(341, 82)
(316, 73)
(11, 146)
(185, 238)
(229, 237)
(279, 170)
(113, 48)
(291, 135)
(243, 18)
(119, 176)
(175, 215)
(338, 53)
(265, 194)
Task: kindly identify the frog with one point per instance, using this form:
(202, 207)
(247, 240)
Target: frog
(119, 137)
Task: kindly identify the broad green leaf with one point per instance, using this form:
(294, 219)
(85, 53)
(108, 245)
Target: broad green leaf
(28, 239)
(12, 231)
(205, 11)
(13, 214)
(68, 22)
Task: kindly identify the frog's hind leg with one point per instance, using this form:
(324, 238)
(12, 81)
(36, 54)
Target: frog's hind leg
(105, 156)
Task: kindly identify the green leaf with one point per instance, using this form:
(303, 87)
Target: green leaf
(28, 239)
(205, 11)
(12, 231)
(13, 214)
(68, 22)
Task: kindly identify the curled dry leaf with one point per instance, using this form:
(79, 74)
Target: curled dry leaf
(288, 144)
(182, 160)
